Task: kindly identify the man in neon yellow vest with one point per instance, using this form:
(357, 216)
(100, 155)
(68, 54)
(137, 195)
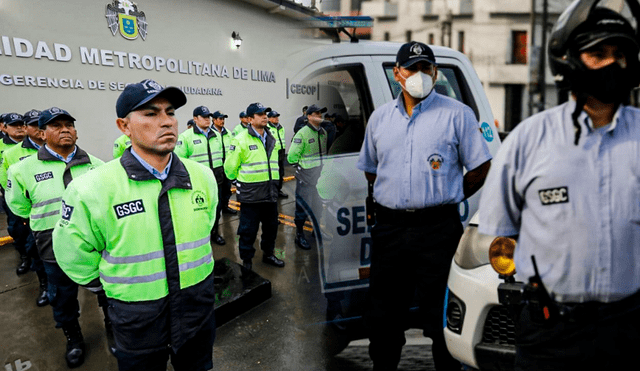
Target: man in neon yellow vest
(13, 127)
(204, 145)
(145, 238)
(308, 147)
(30, 145)
(225, 141)
(277, 131)
(34, 191)
(253, 161)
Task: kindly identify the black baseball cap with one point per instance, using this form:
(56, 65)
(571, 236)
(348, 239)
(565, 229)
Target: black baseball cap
(2, 116)
(256, 108)
(243, 114)
(603, 24)
(413, 52)
(313, 108)
(191, 122)
(273, 114)
(13, 118)
(136, 95)
(52, 113)
(201, 111)
(218, 114)
(31, 117)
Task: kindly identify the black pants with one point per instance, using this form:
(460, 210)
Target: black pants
(220, 177)
(593, 336)
(195, 355)
(63, 295)
(307, 203)
(410, 260)
(251, 215)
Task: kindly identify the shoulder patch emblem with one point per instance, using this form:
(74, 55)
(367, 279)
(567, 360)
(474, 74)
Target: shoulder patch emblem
(232, 147)
(297, 140)
(197, 141)
(312, 140)
(253, 147)
(552, 196)
(67, 210)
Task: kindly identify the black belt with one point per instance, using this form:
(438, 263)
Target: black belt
(595, 309)
(411, 216)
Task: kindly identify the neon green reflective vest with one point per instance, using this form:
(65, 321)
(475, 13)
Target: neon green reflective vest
(278, 134)
(308, 147)
(123, 142)
(255, 166)
(142, 237)
(205, 149)
(5, 144)
(35, 187)
(238, 129)
(14, 155)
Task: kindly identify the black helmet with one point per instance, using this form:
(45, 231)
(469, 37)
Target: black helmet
(583, 25)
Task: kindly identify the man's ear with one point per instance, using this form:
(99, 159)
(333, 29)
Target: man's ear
(123, 125)
(396, 74)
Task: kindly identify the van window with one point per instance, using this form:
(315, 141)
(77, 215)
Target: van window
(450, 82)
(345, 92)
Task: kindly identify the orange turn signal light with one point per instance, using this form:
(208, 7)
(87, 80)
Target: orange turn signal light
(501, 256)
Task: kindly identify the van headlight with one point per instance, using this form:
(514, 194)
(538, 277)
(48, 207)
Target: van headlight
(501, 256)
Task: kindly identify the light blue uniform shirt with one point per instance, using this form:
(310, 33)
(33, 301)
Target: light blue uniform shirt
(419, 160)
(576, 208)
(159, 175)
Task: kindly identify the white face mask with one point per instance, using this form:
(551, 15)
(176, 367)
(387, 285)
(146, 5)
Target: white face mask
(418, 85)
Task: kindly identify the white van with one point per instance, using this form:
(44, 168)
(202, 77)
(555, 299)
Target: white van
(353, 79)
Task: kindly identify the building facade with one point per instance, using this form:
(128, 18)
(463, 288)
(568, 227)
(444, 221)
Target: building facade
(496, 35)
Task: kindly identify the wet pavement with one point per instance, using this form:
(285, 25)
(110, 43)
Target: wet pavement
(285, 332)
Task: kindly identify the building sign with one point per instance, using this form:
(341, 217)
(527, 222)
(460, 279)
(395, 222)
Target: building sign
(125, 16)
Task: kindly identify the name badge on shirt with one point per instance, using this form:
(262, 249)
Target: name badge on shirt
(253, 147)
(197, 141)
(232, 147)
(312, 140)
(43, 176)
(552, 196)
(129, 208)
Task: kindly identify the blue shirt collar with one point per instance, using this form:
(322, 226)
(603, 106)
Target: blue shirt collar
(160, 175)
(35, 145)
(205, 133)
(59, 157)
(426, 102)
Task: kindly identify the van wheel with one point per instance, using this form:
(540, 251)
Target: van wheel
(335, 339)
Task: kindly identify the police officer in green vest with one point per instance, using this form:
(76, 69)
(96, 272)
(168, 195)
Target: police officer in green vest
(253, 161)
(17, 227)
(203, 145)
(30, 145)
(34, 191)
(140, 227)
(308, 147)
(225, 141)
(277, 131)
(244, 124)
(123, 142)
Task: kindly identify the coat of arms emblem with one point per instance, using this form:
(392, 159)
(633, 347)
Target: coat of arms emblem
(124, 15)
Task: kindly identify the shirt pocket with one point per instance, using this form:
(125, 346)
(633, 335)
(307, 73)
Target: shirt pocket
(439, 162)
